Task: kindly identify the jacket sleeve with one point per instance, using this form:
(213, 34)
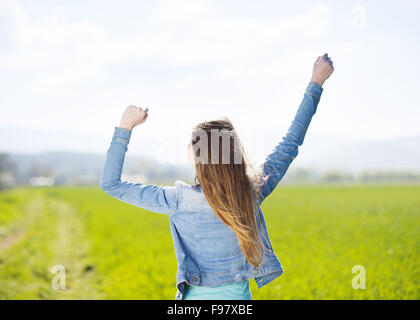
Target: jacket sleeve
(277, 163)
(150, 197)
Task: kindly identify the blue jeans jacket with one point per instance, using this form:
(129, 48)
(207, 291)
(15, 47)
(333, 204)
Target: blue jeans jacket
(207, 250)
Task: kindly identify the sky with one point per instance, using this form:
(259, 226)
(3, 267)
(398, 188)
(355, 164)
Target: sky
(72, 67)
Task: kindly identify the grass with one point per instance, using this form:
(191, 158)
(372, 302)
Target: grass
(11, 209)
(115, 251)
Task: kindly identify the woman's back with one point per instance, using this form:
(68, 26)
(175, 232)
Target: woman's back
(207, 250)
(215, 243)
(201, 231)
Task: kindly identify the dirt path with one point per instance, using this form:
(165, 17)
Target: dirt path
(71, 254)
(10, 240)
(32, 209)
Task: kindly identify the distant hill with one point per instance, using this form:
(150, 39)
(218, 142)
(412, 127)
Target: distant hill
(73, 158)
(393, 154)
(23, 140)
(70, 167)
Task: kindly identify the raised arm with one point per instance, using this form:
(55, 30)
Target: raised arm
(277, 163)
(150, 197)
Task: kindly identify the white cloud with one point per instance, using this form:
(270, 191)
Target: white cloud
(196, 38)
(12, 18)
(61, 52)
(176, 12)
(60, 59)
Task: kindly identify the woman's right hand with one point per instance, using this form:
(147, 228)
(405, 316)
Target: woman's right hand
(133, 116)
(323, 67)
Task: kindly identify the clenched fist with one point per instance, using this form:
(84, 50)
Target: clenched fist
(133, 116)
(323, 67)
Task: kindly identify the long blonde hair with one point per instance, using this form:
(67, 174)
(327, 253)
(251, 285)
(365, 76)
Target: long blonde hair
(228, 186)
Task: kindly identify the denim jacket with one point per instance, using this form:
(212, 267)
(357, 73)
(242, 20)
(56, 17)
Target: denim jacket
(207, 250)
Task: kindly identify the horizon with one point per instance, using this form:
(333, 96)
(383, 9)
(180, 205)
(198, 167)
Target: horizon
(321, 152)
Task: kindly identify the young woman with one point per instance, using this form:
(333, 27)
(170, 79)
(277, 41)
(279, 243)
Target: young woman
(217, 225)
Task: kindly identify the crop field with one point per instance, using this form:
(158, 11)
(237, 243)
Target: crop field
(111, 250)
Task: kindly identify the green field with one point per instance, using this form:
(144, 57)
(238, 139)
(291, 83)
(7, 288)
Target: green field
(115, 251)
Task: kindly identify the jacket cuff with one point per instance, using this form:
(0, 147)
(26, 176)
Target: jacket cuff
(121, 135)
(314, 90)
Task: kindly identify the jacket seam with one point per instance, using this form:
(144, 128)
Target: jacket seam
(312, 94)
(224, 272)
(252, 276)
(178, 193)
(196, 243)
